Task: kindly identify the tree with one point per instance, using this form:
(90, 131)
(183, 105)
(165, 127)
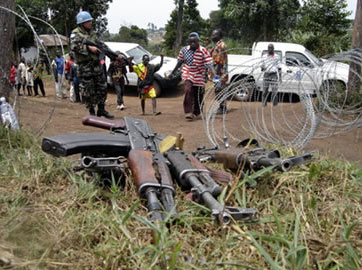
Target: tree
(36, 8)
(63, 13)
(191, 22)
(326, 22)
(180, 14)
(62, 17)
(354, 78)
(258, 19)
(132, 34)
(7, 30)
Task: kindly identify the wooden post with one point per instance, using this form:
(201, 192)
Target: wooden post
(7, 30)
(180, 14)
(354, 77)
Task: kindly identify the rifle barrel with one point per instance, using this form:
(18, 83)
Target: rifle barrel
(153, 205)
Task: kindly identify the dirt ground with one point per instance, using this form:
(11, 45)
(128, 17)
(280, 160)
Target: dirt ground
(46, 116)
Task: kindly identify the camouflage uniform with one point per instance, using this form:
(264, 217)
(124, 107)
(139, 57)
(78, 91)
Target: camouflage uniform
(92, 81)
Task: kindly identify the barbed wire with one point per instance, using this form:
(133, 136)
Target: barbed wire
(16, 104)
(314, 101)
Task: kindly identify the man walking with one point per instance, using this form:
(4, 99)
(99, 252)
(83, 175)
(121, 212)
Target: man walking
(59, 64)
(92, 82)
(220, 61)
(195, 59)
(118, 72)
(271, 68)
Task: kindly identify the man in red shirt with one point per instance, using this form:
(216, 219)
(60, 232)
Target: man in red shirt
(195, 59)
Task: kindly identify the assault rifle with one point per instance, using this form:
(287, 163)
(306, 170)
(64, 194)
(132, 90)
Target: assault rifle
(249, 156)
(130, 138)
(105, 50)
(192, 175)
(149, 167)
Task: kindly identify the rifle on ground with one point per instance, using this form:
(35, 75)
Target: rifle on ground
(192, 175)
(257, 158)
(149, 169)
(133, 138)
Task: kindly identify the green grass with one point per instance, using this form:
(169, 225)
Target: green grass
(52, 218)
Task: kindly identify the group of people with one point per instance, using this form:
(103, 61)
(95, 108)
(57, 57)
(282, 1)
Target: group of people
(196, 60)
(66, 70)
(199, 64)
(92, 79)
(27, 77)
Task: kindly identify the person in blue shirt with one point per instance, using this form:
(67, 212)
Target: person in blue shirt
(59, 63)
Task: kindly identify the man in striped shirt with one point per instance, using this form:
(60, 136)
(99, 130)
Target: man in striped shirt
(195, 59)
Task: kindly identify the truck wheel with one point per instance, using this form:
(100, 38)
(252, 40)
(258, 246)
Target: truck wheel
(243, 89)
(334, 92)
(157, 88)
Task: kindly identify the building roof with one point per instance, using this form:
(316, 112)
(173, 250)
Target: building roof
(54, 40)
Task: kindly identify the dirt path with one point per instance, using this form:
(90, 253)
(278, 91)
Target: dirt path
(65, 117)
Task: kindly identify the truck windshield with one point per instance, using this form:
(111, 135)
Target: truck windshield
(137, 53)
(314, 59)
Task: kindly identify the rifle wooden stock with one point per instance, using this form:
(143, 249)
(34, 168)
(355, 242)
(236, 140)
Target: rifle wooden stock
(104, 123)
(164, 174)
(150, 184)
(141, 165)
(218, 175)
(230, 158)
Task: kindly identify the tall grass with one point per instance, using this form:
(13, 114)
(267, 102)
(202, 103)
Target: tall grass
(53, 218)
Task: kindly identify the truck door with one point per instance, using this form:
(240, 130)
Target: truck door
(299, 74)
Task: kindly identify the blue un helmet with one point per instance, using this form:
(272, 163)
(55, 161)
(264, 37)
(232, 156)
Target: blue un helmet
(83, 17)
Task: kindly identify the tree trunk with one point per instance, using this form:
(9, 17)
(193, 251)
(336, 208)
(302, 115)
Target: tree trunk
(7, 30)
(354, 77)
(180, 15)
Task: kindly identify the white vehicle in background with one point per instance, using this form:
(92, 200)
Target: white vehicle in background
(302, 72)
(162, 80)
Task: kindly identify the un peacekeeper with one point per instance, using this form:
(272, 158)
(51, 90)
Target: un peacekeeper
(92, 82)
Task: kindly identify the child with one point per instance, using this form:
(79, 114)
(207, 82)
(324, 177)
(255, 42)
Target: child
(38, 82)
(29, 79)
(145, 72)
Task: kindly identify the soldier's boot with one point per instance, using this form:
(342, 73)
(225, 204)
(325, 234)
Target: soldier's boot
(92, 111)
(103, 112)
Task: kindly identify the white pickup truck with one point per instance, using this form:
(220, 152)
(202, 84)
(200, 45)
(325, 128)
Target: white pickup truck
(302, 72)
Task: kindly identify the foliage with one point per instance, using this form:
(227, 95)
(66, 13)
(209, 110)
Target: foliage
(35, 8)
(62, 17)
(258, 19)
(326, 26)
(192, 22)
(132, 34)
(53, 218)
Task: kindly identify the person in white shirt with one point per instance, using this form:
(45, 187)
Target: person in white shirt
(22, 75)
(272, 72)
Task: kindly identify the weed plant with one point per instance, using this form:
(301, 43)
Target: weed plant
(53, 218)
